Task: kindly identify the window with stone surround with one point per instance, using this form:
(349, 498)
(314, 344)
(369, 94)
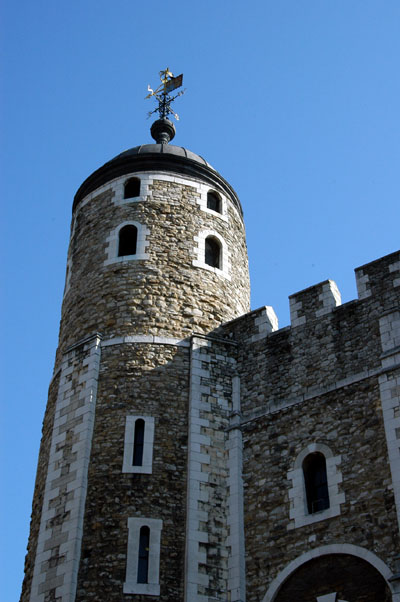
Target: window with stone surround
(132, 188)
(143, 558)
(212, 253)
(316, 482)
(315, 477)
(127, 242)
(138, 444)
(214, 201)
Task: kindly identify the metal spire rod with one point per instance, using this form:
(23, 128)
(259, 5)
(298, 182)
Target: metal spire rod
(162, 93)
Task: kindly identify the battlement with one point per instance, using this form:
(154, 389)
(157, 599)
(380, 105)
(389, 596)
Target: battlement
(377, 276)
(313, 302)
(378, 280)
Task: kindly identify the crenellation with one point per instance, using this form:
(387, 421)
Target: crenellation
(191, 449)
(313, 302)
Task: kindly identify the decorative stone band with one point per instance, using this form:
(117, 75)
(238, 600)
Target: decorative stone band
(59, 541)
(317, 392)
(146, 180)
(146, 338)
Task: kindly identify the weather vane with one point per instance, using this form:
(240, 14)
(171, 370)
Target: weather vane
(162, 94)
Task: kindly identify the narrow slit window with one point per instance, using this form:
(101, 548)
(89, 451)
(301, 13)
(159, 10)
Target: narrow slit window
(127, 241)
(132, 188)
(138, 442)
(143, 557)
(316, 482)
(214, 201)
(212, 252)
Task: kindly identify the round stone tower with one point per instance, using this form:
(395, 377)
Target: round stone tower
(157, 256)
(178, 209)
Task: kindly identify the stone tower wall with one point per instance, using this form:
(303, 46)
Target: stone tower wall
(166, 292)
(124, 352)
(329, 383)
(136, 380)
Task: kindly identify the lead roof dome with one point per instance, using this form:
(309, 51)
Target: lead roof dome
(162, 157)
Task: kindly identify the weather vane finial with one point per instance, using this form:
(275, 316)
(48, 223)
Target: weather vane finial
(162, 94)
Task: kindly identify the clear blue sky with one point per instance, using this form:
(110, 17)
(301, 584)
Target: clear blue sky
(295, 102)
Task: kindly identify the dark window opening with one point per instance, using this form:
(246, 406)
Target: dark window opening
(138, 443)
(316, 482)
(214, 201)
(212, 252)
(127, 241)
(132, 188)
(143, 560)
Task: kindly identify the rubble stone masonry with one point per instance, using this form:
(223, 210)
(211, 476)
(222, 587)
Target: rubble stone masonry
(231, 406)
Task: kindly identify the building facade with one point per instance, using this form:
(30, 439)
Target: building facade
(192, 450)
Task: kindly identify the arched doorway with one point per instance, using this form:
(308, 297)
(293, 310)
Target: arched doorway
(349, 574)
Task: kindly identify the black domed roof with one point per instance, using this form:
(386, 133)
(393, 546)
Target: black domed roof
(169, 149)
(157, 157)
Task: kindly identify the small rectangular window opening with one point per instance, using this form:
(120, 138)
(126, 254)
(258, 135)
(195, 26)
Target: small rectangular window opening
(138, 442)
(143, 558)
(316, 482)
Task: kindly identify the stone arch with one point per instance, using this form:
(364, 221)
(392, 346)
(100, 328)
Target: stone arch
(223, 268)
(298, 511)
(330, 553)
(142, 242)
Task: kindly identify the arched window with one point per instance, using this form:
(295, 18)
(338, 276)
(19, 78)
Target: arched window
(132, 188)
(143, 557)
(214, 201)
(316, 482)
(138, 442)
(127, 240)
(212, 255)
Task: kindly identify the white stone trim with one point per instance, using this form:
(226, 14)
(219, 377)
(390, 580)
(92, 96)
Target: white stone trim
(236, 563)
(266, 321)
(330, 298)
(196, 476)
(129, 440)
(199, 253)
(113, 241)
(119, 190)
(147, 178)
(363, 285)
(341, 548)
(295, 307)
(204, 189)
(148, 339)
(395, 267)
(67, 474)
(389, 386)
(297, 494)
(131, 586)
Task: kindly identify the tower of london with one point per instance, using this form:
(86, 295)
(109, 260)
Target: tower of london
(192, 450)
